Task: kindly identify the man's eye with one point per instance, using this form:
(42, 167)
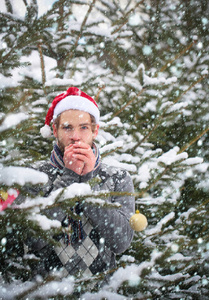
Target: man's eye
(84, 127)
(67, 128)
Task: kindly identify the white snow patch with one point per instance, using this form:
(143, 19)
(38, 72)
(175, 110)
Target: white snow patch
(44, 222)
(115, 163)
(20, 175)
(172, 156)
(179, 257)
(111, 147)
(159, 225)
(13, 120)
(54, 288)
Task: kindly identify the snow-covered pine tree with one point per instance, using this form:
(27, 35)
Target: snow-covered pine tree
(147, 65)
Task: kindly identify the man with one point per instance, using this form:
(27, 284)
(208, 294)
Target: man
(90, 242)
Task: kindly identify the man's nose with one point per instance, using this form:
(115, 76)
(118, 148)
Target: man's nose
(75, 134)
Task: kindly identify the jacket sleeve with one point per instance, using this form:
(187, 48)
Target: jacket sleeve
(113, 223)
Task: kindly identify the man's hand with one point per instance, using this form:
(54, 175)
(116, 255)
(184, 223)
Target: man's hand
(79, 158)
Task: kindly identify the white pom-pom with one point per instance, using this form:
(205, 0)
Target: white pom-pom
(46, 131)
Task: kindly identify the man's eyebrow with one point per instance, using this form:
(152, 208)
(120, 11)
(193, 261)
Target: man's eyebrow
(82, 124)
(66, 124)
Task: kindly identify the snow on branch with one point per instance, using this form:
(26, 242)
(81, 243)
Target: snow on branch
(12, 120)
(44, 222)
(146, 80)
(20, 175)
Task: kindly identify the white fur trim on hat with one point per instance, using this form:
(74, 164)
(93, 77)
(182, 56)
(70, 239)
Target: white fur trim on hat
(46, 131)
(79, 103)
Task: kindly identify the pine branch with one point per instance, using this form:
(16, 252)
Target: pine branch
(110, 152)
(71, 54)
(194, 140)
(163, 68)
(9, 6)
(17, 104)
(153, 183)
(38, 284)
(158, 121)
(61, 18)
(42, 66)
(125, 17)
(177, 56)
(189, 88)
(5, 57)
(130, 102)
(98, 93)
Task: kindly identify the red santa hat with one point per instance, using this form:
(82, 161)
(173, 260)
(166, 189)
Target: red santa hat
(73, 98)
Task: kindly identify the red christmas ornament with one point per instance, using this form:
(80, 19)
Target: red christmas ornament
(7, 198)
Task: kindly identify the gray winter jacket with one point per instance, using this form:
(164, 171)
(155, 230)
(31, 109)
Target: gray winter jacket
(105, 230)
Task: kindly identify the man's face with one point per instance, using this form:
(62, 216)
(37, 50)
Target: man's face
(74, 126)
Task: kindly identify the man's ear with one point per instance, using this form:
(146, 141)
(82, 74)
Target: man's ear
(54, 130)
(96, 131)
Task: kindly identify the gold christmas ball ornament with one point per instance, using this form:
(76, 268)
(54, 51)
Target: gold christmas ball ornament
(3, 195)
(138, 222)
